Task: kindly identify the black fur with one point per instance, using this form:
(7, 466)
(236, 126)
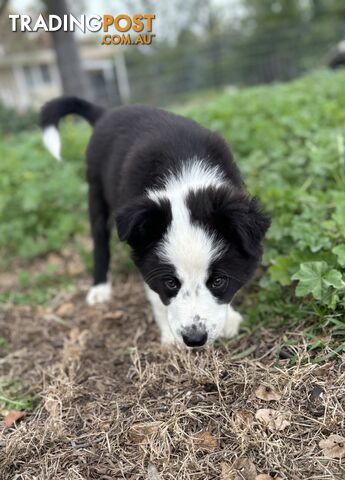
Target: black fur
(53, 111)
(233, 214)
(143, 222)
(240, 225)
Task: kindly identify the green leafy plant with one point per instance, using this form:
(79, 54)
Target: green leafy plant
(42, 202)
(13, 122)
(320, 281)
(12, 397)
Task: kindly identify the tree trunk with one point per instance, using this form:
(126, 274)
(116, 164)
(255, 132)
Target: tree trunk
(73, 78)
(3, 5)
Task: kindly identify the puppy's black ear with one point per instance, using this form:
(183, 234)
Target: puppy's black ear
(143, 222)
(241, 219)
(237, 217)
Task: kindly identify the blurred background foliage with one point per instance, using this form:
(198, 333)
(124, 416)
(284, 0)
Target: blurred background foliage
(236, 43)
(201, 46)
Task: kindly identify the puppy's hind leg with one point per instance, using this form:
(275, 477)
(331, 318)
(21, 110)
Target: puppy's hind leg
(232, 323)
(99, 216)
(160, 315)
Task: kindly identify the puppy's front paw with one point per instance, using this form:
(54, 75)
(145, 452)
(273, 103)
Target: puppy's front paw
(167, 338)
(99, 294)
(232, 324)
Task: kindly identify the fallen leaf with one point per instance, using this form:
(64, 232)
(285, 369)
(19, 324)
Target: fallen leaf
(333, 446)
(206, 441)
(244, 418)
(115, 315)
(267, 393)
(65, 310)
(143, 432)
(273, 419)
(153, 473)
(323, 370)
(12, 417)
(244, 469)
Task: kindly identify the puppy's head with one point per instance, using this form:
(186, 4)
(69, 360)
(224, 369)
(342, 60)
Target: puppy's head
(195, 251)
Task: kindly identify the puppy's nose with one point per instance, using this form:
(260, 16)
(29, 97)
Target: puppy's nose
(195, 338)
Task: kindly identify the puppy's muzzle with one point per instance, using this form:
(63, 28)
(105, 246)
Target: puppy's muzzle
(194, 336)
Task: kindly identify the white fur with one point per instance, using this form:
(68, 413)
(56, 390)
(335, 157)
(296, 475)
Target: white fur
(51, 140)
(99, 294)
(232, 323)
(187, 246)
(165, 318)
(194, 174)
(191, 250)
(160, 315)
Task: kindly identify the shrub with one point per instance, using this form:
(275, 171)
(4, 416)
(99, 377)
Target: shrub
(42, 202)
(13, 122)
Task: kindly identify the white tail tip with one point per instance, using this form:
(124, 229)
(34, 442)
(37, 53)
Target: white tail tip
(51, 140)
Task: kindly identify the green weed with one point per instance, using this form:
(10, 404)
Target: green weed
(13, 398)
(42, 202)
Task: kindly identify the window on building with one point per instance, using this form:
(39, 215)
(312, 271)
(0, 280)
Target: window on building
(45, 73)
(29, 77)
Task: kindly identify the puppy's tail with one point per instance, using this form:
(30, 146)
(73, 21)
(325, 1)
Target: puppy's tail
(53, 111)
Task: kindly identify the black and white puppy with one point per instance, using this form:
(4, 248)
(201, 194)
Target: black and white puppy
(179, 201)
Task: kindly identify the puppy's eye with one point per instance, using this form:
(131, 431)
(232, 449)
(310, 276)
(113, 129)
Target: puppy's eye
(171, 284)
(218, 282)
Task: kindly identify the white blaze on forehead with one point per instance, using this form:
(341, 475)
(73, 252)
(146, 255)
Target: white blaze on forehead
(193, 175)
(187, 246)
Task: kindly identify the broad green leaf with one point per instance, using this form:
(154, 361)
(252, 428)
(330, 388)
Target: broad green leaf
(339, 251)
(316, 278)
(280, 270)
(339, 217)
(333, 278)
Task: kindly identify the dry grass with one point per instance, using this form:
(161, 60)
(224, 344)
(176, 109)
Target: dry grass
(112, 404)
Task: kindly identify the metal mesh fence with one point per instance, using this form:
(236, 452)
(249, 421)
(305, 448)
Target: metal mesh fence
(230, 59)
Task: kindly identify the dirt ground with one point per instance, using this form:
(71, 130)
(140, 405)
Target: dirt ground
(111, 404)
